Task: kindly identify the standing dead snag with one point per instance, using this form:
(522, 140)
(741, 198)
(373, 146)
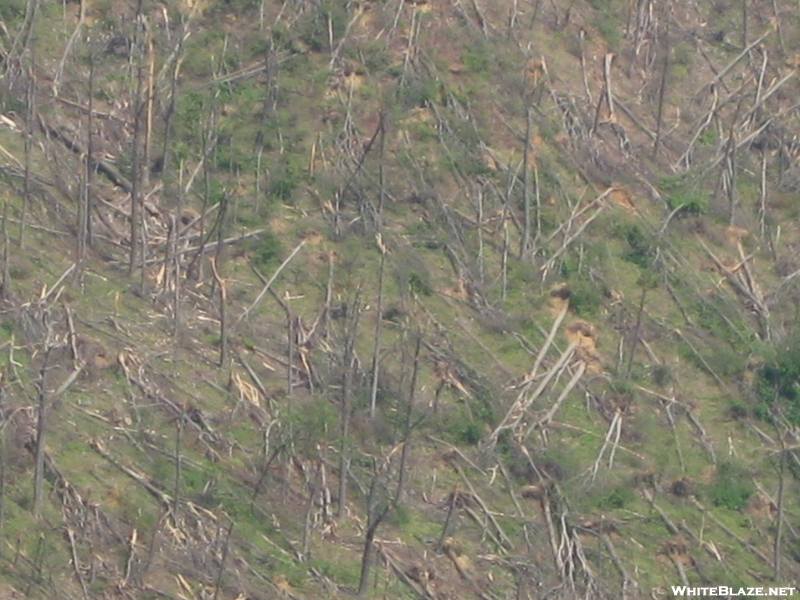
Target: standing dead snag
(30, 111)
(38, 476)
(223, 314)
(84, 228)
(525, 249)
(137, 216)
(5, 288)
(375, 516)
(607, 96)
(348, 366)
(378, 327)
(377, 510)
(662, 90)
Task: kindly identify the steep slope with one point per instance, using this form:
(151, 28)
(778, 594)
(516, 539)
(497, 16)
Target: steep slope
(400, 299)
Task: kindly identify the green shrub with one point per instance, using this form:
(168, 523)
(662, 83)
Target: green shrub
(418, 284)
(313, 421)
(731, 487)
(585, 296)
(470, 434)
(777, 385)
(737, 409)
(266, 250)
(617, 497)
(315, 26)
(411, 272)
(684, 193)
(661, 374)
(400, 516)
(417, 92)
(12, 12)
(377, 58)
(286, 178)
(639, 251)
(476, 58)
(691, 204)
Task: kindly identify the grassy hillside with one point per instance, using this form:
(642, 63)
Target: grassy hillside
(438, 300)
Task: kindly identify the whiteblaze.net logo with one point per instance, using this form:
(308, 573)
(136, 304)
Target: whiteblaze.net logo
(683, 590)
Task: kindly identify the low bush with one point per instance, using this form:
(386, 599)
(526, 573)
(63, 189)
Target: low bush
(777, 384)
(731, 487)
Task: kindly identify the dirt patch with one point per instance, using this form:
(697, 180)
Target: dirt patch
(621, 197)
(278, 226)
(759, 506)
(584, 336)
(460, 289)
(734, 235)
(677, 551)
(314, 238)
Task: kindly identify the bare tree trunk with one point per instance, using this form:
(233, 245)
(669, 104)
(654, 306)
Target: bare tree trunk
(291, 342)
(375, 516)
(223, 315)
(779, 532)
(136, 179)
(525, 242)
(401, 476)
(171, 106)
(368, 554)
(347, 391)
(176, 259)
(38, 476)
(744, 23)
(222, 217)
(178, 475)
(778, 26)
(222, 561)
(85, 206)
(378, 330)
(5, 291)
(635, 340)
(662, 89)
(30, 115)
(2, 485)
(26, 33)
(149, 98)
(70, 43)
(381, 271)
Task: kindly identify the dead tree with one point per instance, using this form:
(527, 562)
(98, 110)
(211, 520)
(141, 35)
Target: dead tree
(5, 290)
(525, 241)
(348, 367)
(377, 512)
(136, 216)
(381, 271)
(662, 88)
(378, 328)
(30, 111)
(41, 420)
(223, 314)
(84, 237)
